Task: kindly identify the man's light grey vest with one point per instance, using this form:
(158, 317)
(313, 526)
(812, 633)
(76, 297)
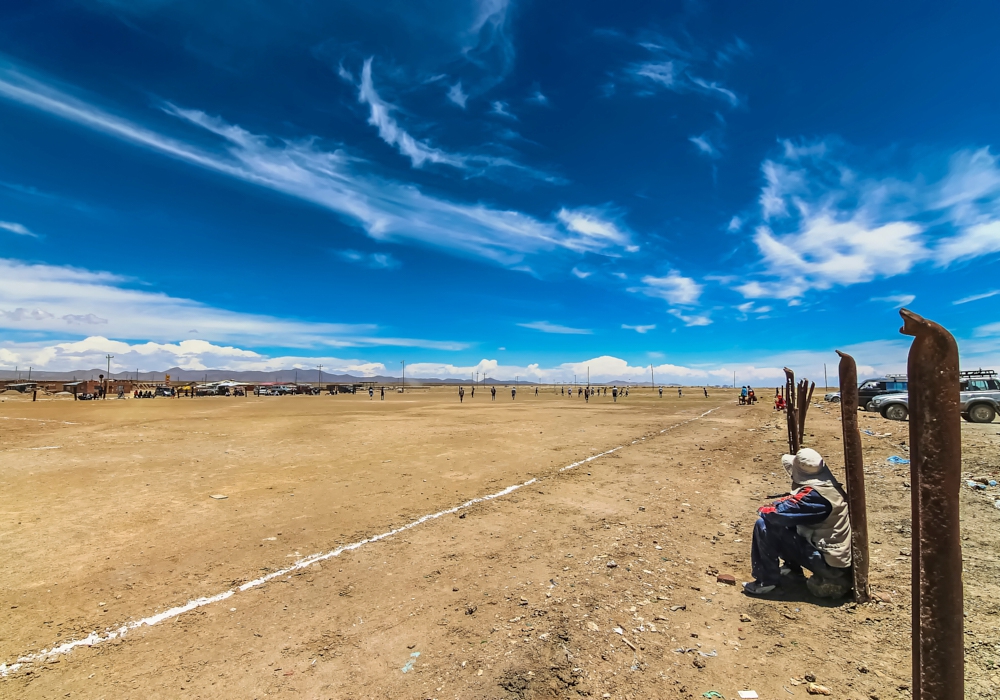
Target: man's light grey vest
(832, 537)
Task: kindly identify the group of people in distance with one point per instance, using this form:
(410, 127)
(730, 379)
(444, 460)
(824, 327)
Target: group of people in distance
(747, 397)
(582, 392)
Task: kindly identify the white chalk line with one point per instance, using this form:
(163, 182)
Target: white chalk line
(39, 420)
(94, 638)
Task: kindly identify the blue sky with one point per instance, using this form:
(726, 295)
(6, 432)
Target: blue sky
(522, 188)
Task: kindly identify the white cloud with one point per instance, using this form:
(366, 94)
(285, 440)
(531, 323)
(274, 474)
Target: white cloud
(456, 95)
(826, 251)
(977, 297)
(713, 88)
(152, 356)
(502, 109)
(538, 98)
(692, 319)
(546, 327)
(582, 274)
(971, 242)
(704, 145)
(674, 288)
(897, 300)
(663, 73)
(381, 118)
(387, 210)
(19, 229)
(735, 224)
(639, 329)
(61, 300)
(376, 261)
(596, 231)
(843, 229)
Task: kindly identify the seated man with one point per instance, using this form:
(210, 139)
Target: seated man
(808, 528)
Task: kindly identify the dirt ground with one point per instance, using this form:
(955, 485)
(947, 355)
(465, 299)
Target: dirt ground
(598, 581)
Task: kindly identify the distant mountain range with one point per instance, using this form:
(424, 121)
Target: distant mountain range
(303, 376)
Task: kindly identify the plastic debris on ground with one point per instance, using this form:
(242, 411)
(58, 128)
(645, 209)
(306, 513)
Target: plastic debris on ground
(219, 497)
(747, 693)
(896, 459)
(409, 664)
(713, 694)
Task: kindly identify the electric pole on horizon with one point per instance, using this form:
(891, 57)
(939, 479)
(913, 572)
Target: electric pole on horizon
(402, 389)
(826, 382)
(319, 378)
(651, 381)
(108, 376)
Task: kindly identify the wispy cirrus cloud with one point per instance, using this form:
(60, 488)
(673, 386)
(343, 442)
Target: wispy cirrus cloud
(704, 145)
(546, 327)
(455, 94)
(896, 300)
(61, 301)
(639, 329)
(691, 319)
(18, 229)
(375, 261)
(385, 209)
(977, 297)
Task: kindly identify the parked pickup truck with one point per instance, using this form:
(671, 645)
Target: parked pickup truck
(979, 401)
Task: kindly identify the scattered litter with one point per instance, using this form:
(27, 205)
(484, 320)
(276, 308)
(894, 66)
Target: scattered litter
(993, 482)
(996, 504)
(713, 694)
(409, 664)
(787, 690)
(618, 630)
(747, 693)
(896, 459)
(816, 689)
(975, 485)
(611, 564)
(675, 608)
(745, 618)
(874, 434)
(219, 497)
(710, 654)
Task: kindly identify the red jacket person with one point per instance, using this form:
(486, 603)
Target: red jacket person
(809, 528)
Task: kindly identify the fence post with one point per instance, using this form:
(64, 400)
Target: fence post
(935, 476)
(854, 468)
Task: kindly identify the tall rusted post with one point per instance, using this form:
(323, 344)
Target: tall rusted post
(854, 468)
(935, 475)
(791, 415)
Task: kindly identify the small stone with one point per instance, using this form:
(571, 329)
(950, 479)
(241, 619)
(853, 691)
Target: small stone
(455, 589)
(611, 564)
(745, 618)
(814, 689)
(727, 579)
(592, 626)
(219, 497)
(698, 662)
(810, 678)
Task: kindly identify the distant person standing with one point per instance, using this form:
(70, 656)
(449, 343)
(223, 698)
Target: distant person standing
(493, 393)
(382, 394)
(679, 392)
(562, 390)
(536, 391)
(586, 395)
(461, 394)
(705, 389)
(371, 393)
(513, 393)
(614, 393)
(473, 395)
(661, 392)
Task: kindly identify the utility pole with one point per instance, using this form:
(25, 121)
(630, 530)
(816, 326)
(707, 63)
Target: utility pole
(826, 382)
(110, 357)
(734, 380)
(403, 388)
(29, 374)
(651, 382)
(319, 379)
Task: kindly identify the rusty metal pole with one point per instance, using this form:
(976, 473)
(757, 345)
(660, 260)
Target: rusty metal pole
(790, 412)
(935, 474)
(854, 469)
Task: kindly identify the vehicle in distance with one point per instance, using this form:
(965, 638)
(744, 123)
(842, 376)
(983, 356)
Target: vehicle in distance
(870, 388)
(832, 397)
(979, 399)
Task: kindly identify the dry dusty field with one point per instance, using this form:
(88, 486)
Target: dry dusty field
(107, 517)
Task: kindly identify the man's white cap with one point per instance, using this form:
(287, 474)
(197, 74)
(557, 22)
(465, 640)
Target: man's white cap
(806, 465)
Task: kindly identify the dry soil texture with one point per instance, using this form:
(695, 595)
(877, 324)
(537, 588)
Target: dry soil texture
(598, 581)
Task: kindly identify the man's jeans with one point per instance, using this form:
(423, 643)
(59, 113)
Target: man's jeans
(773, 541)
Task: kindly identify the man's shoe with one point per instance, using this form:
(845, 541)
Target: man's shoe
(757, 588)
(795, 573)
